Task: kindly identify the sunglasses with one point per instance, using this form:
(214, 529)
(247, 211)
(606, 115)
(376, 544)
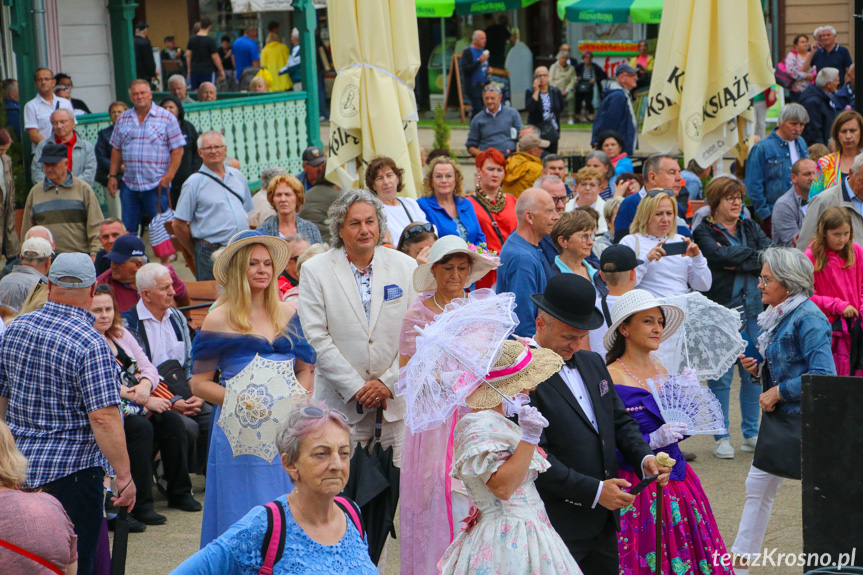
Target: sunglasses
(318, 413)
(416, 230)
(654, 193)
(103, 289)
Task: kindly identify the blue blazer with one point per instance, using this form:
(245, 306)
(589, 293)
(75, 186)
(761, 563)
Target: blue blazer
(446, 225)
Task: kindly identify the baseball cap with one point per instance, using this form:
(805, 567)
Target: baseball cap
(38, 246)
(53, 153)
(530, 141)
(125, 247)
(314, 156)
(618, 258)
(72, 270)
(625, 68)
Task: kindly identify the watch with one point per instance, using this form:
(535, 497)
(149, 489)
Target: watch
(112, 175)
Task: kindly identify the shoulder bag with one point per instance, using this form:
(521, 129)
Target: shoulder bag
(493, 223)
(779, 440)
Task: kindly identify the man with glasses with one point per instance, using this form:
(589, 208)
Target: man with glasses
(65, 80)
(81, 154)
(830, 54)
(616, 112)
(496, 126)
(212, 206)
(37, 112)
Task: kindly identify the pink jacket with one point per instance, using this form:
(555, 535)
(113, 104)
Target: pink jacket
(837, 288)
(130, 345)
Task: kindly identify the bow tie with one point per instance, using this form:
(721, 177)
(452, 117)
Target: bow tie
(571, 362)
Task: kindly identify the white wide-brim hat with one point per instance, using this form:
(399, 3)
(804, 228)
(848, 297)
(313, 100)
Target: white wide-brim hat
(640, 300)
(279, 249)
(480, 264)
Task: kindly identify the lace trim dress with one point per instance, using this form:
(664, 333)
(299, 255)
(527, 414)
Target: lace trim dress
(236, 484)
(511, 537)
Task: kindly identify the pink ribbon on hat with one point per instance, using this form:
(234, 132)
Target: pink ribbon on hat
(520, 363)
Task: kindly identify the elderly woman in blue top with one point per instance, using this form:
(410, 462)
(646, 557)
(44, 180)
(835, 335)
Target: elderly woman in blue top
(795, 340)
(320, 537)
(444, 204)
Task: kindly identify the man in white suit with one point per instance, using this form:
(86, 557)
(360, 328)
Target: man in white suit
(353, 300)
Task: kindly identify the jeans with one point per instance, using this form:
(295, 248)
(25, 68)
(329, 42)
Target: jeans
(137, 204)
(750, 410)
(476, 102)
(82, 496)
(204, 261)
(197, 79)
(167, 431)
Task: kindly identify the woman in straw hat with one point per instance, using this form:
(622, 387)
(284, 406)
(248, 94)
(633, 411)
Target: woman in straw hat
(690, 537)
(507, 531)
(431, 502)
(248, 321)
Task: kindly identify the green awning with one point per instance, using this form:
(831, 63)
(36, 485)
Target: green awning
(611, 11)
(446, 8)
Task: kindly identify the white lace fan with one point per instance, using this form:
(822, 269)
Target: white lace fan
(682, 399)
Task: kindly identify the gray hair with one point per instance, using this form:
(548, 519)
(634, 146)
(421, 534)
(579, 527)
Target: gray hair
(527, 202)
(176, 78)
(298, 425)
(142, 259)
(211, 133)
(68, 113)
(606, 161)
(654, 164)
(475, 32)
(820, 29)
(310, 252)
(792, 269)
(31, 232)
(548, 178)
(339, 211)
(793, 113)
(858, 163)
(609, 207)
(297, 238)
(295, 33)
(825, 76)
(148, 276)
(268, 174)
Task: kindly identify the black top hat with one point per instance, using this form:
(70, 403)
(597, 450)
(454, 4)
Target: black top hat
(571, 299)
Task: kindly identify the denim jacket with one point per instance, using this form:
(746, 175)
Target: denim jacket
(800, 345)
(768, 171)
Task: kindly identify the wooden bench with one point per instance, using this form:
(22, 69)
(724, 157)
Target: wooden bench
(201, 296)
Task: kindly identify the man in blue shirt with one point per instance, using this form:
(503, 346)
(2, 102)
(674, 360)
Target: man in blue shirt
(661, 171)
(245, 51)
(524, 271)
(474, 65)
(496, 126)
(829, 54)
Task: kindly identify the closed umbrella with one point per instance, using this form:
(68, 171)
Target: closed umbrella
(375, 50)
(712, 57)
(611, 11)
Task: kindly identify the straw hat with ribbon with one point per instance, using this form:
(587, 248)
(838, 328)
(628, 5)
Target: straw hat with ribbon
(448, 245)
(279, 249)
(635, 301)
(519, 367)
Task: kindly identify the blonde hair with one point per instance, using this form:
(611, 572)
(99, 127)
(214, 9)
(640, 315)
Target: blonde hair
(237, 295)
(647, 209)
(428, 191)
(13, 464)
(831, 219)
(587, 173)
(35, 299)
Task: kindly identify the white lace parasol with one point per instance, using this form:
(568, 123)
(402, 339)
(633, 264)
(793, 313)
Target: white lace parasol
(257, 402)
(682, 399)
(452, 354)
(709, 340)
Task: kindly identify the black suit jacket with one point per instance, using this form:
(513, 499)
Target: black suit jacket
(580, 457)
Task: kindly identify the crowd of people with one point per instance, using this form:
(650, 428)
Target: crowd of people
(329, 288)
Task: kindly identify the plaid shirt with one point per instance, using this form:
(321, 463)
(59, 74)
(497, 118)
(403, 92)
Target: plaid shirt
(146, 147)
(55, 369)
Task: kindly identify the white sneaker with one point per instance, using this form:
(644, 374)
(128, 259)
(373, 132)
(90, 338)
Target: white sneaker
(749, 444)
(723, 449)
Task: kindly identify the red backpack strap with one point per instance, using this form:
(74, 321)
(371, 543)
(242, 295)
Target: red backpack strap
(353, 512)
(32, 556)
(274, 539)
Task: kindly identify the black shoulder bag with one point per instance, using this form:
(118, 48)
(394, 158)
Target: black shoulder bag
(493, 223)
(221, 183)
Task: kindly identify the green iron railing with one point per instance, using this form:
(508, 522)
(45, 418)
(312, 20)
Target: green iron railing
(262, 130)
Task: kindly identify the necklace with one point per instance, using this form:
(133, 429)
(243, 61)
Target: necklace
(439, 306)
(496, 205)
(632, 375)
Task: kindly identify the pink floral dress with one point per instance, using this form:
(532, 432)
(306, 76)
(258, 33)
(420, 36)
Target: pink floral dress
(511, 537)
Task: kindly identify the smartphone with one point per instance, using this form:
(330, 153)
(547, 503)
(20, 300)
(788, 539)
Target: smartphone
(751, 348)
(644, 483)
(675, 248)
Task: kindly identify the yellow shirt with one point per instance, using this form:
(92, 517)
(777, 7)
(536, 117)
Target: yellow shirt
(274, 56)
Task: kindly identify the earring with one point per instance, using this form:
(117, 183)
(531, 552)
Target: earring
(626, 335)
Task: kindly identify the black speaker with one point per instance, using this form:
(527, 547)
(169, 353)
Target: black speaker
(833, 468)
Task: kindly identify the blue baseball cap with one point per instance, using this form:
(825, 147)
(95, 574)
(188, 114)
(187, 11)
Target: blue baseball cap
(126, 247)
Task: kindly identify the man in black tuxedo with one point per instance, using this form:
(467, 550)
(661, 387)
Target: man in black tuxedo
(588, 423)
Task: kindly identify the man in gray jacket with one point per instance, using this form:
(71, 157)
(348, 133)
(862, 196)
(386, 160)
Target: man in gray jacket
(82, 162)
(790, 207)
(848, 194)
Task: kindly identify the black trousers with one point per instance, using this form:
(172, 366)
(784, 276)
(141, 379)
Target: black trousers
(585, 100)
(597, 555)
(81, 495)
(166, 432)
(198, 433)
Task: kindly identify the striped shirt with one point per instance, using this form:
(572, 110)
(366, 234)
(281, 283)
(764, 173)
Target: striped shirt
(146, 146)
(55, 369)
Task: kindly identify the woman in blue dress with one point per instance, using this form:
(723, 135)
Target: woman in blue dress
(248, 321)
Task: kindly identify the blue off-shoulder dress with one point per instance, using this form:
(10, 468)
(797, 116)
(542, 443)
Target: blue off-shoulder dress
(237, 484)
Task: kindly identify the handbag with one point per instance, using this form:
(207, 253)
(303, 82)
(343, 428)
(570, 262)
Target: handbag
(549, 131)
(160, 237)
(783, 78)
(583, 87)
(174, 376)
(779, 441)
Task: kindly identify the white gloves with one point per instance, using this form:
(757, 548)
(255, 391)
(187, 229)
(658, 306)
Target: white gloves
(519, 401)
(667, 434)
(532, 423)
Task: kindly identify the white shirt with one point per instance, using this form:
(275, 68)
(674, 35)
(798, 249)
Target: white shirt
(669, 275)
(37, 114)
(161, 337)
(596, 335)
(599, 206)
(792, 149)
(572, 378)
(398, 219)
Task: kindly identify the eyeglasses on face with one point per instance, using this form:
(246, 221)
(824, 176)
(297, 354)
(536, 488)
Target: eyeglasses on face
(213, 148)
(585, 237)
(733, 199)
(766, 281)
